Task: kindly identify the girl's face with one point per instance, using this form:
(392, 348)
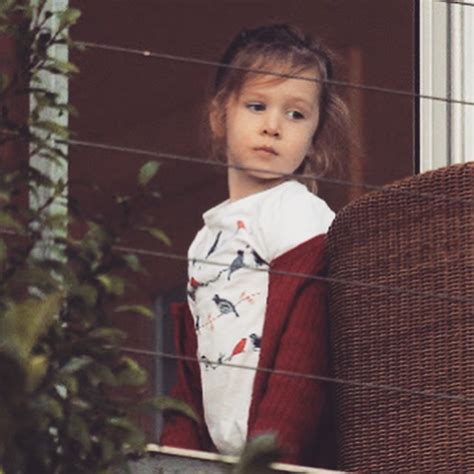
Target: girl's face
(270, 126)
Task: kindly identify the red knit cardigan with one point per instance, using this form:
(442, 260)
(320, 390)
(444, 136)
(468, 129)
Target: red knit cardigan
(294, 339)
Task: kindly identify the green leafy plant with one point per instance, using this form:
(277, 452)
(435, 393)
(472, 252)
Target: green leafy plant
(257, 455)
(62, 368)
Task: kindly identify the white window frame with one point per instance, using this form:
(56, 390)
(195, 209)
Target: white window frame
(446, 70)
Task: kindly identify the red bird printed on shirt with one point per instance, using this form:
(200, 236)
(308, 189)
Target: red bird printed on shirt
(239, 347)
(193, 286)
(240, 225)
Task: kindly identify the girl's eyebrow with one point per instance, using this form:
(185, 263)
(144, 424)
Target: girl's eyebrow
(253, 94)
(260, 95)
(300, 100)
(307, 105)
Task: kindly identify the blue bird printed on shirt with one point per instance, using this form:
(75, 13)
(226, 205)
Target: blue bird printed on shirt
(259, 261)
(236, 264)
(256, 341)
(225, 306)
(207, 363)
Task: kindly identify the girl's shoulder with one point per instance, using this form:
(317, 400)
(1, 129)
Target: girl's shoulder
(292, 215)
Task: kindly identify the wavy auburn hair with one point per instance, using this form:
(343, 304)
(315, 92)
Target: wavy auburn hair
(284, 51)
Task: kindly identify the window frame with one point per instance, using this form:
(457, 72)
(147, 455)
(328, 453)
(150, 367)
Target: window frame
(446, 69)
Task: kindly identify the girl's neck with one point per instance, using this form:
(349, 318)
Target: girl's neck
(241, 185)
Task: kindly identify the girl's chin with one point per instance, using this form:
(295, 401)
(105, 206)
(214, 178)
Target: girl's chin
(271, 175)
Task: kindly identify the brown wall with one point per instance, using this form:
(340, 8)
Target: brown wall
(157, 104)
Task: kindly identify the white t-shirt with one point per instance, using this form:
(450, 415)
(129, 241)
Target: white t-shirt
(227, 297)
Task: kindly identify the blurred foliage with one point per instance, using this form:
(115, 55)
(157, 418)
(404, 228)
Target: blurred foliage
(62, 369)
(257, 455)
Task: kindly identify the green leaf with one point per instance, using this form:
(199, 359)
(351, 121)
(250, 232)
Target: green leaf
(134, 437)
(37, 277)
(38, 366)
(257, 455)
(7, 221)
(49, 406)
(3, 250)
(131, 373)
(4, 81)
(95, 240)
(56, 66)
(108, 450)
(76, 364)
(103, 374)
(164, 403)
(132, 261)
(71, 383)
(52, 127)
(78, 430)
(158, 234)
(120, 422)
(23, 323)
(108, 335)
(87, 293)
(147, 171)
(81, 405)
(68, 18)
(113, 284)
(5, 195)
(135, 308)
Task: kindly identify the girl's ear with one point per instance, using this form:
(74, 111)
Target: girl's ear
(216, 119)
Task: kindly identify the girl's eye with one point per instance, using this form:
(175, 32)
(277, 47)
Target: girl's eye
(256, 106)
(295, 115)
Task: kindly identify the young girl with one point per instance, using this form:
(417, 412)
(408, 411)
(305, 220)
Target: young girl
(253, 310)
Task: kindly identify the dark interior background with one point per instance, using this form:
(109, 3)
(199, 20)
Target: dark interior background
(155, 104)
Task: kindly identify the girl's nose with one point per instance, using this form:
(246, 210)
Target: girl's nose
(271, 126)
(271, 131)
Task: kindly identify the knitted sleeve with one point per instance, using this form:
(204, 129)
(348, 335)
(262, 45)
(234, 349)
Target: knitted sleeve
(292, 406)
(180, 430)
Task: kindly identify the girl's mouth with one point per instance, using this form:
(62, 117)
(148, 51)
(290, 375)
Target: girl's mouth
(266, 150)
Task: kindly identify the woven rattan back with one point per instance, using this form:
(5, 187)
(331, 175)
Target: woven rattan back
(409, 324)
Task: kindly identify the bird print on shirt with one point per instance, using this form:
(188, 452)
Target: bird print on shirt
(240, 226)
(196, 322)
(210, 364)
(256, 341)
(259, 261)
(242, 345)
(207, 363)
(244, 297)
(214, 245)
(239, 348)
(193, 286)
(236, 264)
(225, 306)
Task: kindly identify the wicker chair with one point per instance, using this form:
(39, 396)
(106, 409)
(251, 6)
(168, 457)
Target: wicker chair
(407, 322)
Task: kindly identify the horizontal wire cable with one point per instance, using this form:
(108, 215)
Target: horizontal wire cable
(322, 378)
(420, 393)
(204, 62)
(456, 2)
(427, 394)
(204, 161)
(307, 276)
